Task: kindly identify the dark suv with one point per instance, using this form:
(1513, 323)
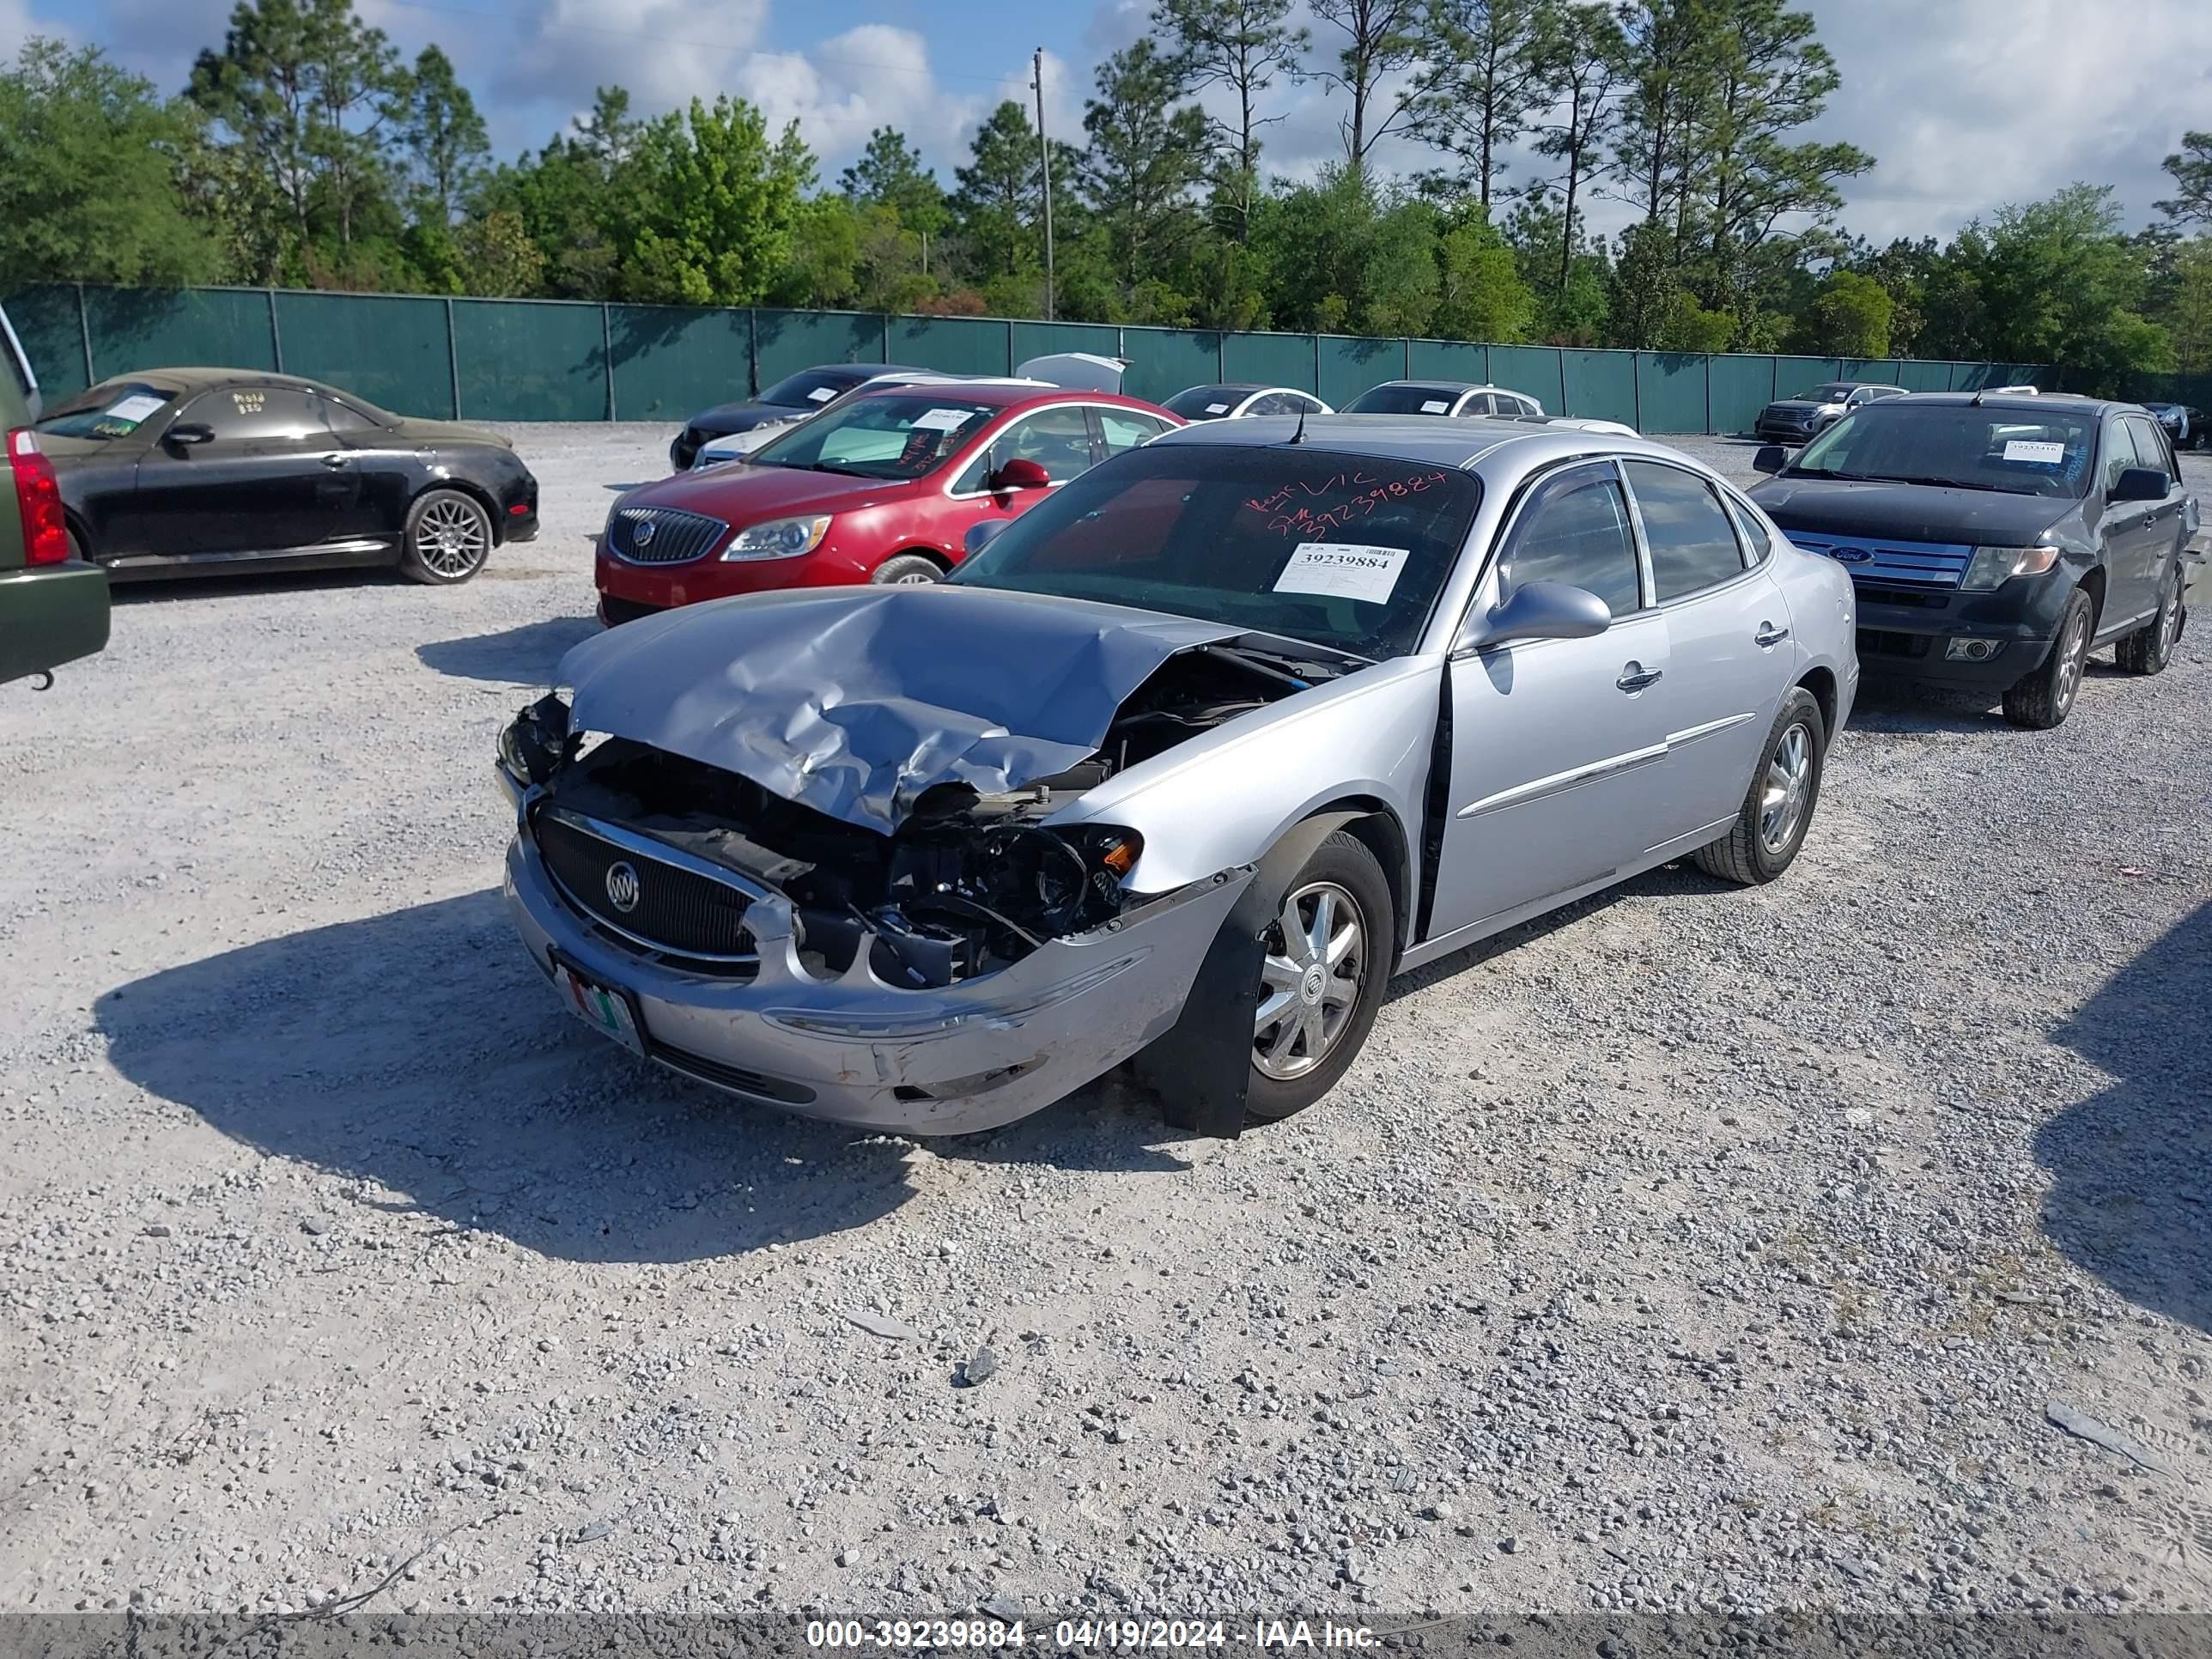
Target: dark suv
(53, 609)
(1996, 540)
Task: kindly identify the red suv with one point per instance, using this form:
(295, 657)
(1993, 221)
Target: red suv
(884, 488)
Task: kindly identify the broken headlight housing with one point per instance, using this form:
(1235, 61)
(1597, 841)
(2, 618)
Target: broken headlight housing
(536, 741)
(779, 539)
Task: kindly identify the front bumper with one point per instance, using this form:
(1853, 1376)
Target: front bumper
(1905, 634)
(851, 1049)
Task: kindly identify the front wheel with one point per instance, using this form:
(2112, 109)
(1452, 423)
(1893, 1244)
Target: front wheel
(1777, 809)
(448, 538)
(2044, 696)
(907, 570)
(1328, 954)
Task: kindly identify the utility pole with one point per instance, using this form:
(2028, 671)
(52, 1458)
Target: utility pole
(1044, 163)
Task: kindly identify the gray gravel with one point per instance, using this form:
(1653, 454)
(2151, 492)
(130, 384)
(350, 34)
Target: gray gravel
(1697, 1247)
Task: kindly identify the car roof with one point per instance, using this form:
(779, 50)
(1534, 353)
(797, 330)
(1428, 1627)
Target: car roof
(1246, 388)
(1463, 443)
(2026, 403)
(1009, 394)
(197, 380)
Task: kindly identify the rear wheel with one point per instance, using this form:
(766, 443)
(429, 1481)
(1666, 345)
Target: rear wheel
(1327, 964)
(1777, 809)
(2043, 697)
(2150, 647)
(907, 570)
(448, 537)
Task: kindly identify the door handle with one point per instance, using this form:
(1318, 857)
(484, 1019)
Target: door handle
(1769, 636)
(1634, 677)
(338, 463)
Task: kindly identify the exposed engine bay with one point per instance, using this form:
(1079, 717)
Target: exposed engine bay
(970, 881)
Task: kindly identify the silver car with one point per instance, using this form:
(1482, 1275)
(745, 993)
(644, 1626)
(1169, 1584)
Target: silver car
(1181, 767)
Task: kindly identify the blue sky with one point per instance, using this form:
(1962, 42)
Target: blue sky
(1966, 103)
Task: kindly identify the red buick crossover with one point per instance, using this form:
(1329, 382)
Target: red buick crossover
(882, 489)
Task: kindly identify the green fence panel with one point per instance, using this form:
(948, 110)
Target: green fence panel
(45, 321)
(671, 362)
(1793, 376)
(543, 360)
(1351, 363)
(1447, 359)
(1671, 391)
(1272, 359)
(793, 340)
(1539, 371)
(179, 328)
(1163, 360)
(1601, 383)
(1881, 370)
(1924, 377)
(388, 350)
(1035, 339)
(956, 345)
(1742, 387)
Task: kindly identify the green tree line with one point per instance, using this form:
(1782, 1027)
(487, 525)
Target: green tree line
(306, 151)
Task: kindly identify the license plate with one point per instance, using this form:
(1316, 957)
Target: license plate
(605, 1010)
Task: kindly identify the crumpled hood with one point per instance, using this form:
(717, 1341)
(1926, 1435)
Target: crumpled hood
(854, 700)
(1920, 512)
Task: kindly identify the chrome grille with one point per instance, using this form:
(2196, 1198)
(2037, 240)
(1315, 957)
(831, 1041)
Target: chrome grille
(662, 535)
(1898, 564)
(674, 908)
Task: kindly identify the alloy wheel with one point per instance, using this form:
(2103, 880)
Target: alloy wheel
(451, 538)
(1789, 781)
(1309, 982)
(2076, 653)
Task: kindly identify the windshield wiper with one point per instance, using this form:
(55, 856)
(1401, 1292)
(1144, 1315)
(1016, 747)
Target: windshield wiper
(842, 472)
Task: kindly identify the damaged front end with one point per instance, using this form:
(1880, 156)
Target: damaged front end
(961, 967)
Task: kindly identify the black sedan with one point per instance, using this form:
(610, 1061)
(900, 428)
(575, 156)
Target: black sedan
(177, 471)
(1994, 541)
(2189, 428)
(792, 398)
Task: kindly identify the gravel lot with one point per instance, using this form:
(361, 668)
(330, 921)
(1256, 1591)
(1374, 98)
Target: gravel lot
(1696, 1247)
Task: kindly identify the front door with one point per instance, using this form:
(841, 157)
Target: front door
(1059, 439)
(272, 477)
(1556, 745)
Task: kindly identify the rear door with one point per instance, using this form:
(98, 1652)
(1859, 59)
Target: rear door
(272, 479)
(1556, 745)
(2155, 451)
(1727, 634)
(2130, 531)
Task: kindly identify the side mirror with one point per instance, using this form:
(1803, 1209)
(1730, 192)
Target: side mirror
(1772, 458)
(187, 434)
(981, 536)
(1020, 474)
(2140, 484)
(1539, 611)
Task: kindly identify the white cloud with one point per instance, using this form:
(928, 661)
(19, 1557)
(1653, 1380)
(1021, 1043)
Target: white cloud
(664, 52)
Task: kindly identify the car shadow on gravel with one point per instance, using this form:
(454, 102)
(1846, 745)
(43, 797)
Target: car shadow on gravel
(419, 1054)
(177, 589)
(518, 656)
(2130, 1198)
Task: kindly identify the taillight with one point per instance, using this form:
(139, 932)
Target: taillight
(38, 499)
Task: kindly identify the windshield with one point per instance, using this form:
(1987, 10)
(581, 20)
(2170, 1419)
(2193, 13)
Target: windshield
(885, 434)
(1833, 391)
(1406, 400)
(1902, 440)
(1340, 551)
(812, 387)
(1204, 402)
(115, 409)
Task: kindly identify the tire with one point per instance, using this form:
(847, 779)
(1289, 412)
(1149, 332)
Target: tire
(1286, 1076)
(448, 537)
(2150, 647)
(906, 570)
(1777, 809)
(2045, 696)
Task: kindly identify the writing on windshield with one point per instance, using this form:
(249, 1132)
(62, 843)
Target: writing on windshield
(1311, 509)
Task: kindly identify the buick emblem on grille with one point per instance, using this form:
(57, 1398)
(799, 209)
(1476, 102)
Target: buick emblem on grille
(622, 887)
(640, 534)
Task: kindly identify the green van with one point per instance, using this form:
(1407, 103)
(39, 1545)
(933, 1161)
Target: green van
(53, 609)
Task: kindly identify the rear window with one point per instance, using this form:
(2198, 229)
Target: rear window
(1904, 440)
(1341, 551)
(1406, 400)
(115, 409)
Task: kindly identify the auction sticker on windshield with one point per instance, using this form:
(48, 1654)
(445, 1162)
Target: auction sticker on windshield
(2042, 454)
(944, 420)
(1342, 570)
(133, 408)
(1435, 406)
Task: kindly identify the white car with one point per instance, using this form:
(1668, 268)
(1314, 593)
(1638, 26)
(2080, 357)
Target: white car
(1231, 400)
